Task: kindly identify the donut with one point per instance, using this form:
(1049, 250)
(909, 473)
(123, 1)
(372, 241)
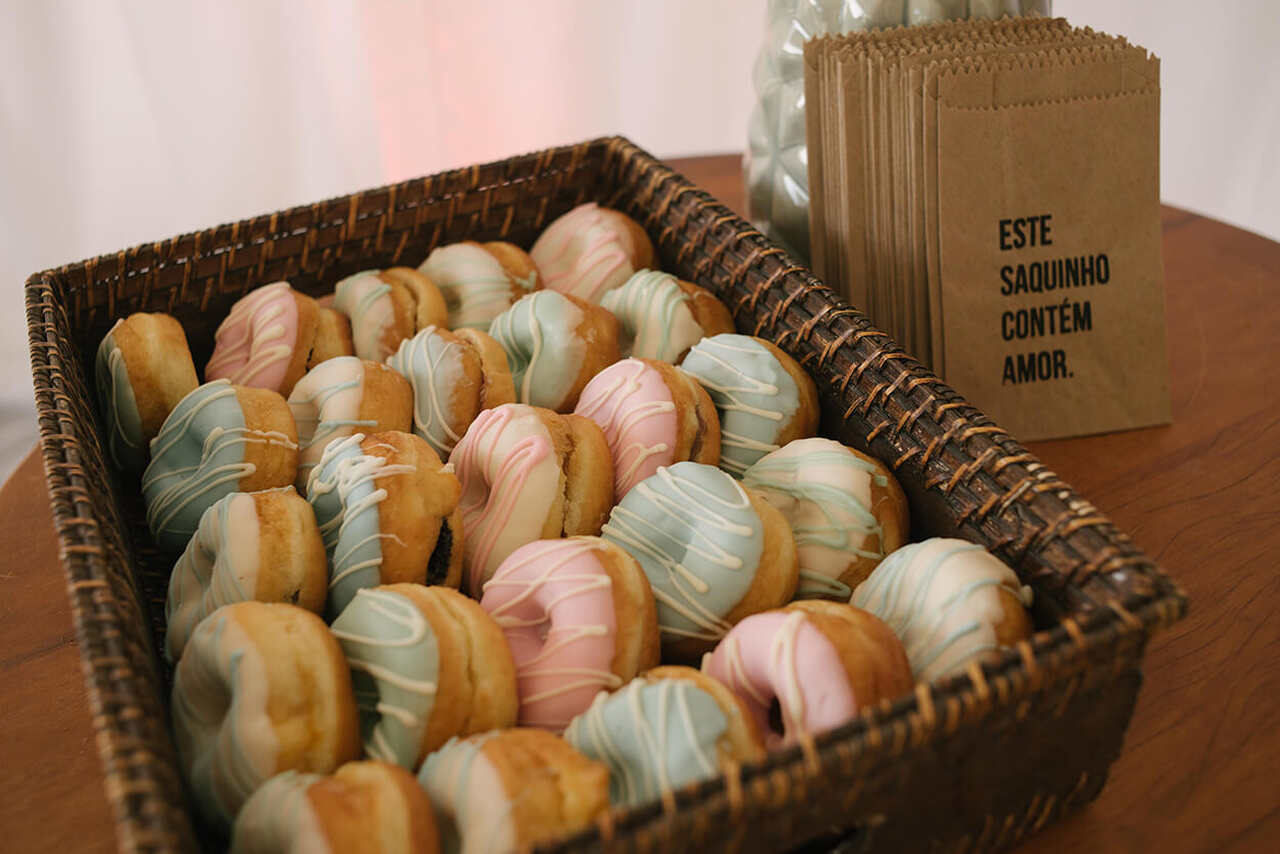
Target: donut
(510, 790)
(846, 510)
(666, 729)
(950, 601)
(388, 511)
(554, 345)
(454, 375)
(713, 551)
(266, 340)
(142, 369)
(591, 250)
(369, 806)
(387, 306)
(261, 688)
(342, 396)
(821, 662)
(652, 415)
(427, 664)
(479, 281)
(220, 438)
(249, 545)
(764, 398)
(528, 474)
(661, 317)
(333, 337)
(579, 618)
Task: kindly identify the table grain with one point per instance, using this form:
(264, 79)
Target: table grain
(1200, 496)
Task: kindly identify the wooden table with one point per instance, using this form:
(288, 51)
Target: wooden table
(1200, 496)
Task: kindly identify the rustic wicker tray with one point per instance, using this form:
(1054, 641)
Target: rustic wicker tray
(974, 763)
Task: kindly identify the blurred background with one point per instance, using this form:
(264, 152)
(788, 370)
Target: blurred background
(125, 122)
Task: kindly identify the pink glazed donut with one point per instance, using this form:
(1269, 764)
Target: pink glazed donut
(590, 251)
(266, 339)
(822, 662)
(579, 617)
(653, 415)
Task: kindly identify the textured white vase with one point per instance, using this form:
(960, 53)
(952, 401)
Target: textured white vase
(775, 166)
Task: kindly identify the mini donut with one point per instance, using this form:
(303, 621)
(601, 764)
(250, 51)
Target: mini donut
(578, 615)
(846, 510)
(427, 664)
(342, 396)
(661, 317)
(370, 806)
(528, 474)
(142, 369)
(652, 415)
(388, 511)
(666, 729)
(333, 337)
(249, 545)
(950, 601)
(591, 250)
(386, 307)
(821, 662)
(764, 398)
(554, 345)
(509, 791)
(261, 688)
(266, 340)
(219, 439)
(454, 375)
(713, 551)
(479, 281)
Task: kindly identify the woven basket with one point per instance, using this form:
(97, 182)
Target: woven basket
(973, 763)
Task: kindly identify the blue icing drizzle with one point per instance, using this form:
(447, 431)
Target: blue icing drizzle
(695, 534)
(196, 459)
(539, 335)
(395, 667)
(653, 736)
(125, 442)
(751, 390)
(345, 498)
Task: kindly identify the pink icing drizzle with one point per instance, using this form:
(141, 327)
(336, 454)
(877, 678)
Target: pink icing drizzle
(780, 654)
(253, 346)
(492, 488)
(633, 406)
(581, 254)
(554, 601)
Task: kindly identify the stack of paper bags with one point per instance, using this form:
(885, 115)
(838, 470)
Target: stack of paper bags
(988, 193)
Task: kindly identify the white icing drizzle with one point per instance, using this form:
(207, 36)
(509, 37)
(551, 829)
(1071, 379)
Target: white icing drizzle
(433, 383)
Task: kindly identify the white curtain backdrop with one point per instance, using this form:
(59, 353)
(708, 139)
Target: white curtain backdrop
(123, 122)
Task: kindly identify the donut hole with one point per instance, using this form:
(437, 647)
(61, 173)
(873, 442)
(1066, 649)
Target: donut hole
(775, 717)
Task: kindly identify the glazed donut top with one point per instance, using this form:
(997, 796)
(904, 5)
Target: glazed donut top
(752, 391)
(197, 458)
(941, 597)
(824, 489)
(394, 658)
(781, 654)
(282, 817)
(433, 365)
(544, 349)
(510, 477)
(254, 344)
(693, 530)
(585, 253)
(475, 285)
(343, 492)
(125, 441)
(554, 602)
(655, 314)
(633, 405)
(654, 736)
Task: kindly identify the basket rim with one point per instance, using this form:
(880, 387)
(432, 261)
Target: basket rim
(930, 713)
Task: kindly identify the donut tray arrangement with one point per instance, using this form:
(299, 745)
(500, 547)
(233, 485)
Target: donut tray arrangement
(971, 760)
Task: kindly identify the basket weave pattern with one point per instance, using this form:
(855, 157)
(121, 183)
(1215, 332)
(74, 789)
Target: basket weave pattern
(973, 763)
